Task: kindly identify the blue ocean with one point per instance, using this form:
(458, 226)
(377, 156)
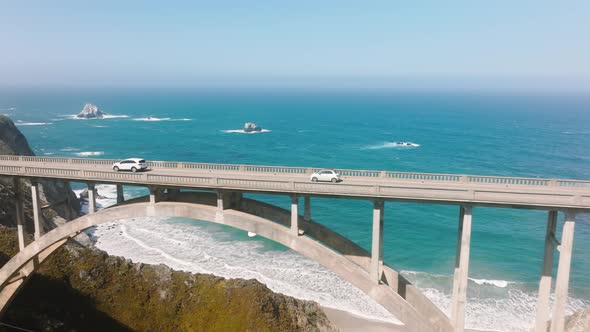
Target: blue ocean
(525, 134)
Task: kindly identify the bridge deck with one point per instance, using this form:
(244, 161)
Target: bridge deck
(435, 188)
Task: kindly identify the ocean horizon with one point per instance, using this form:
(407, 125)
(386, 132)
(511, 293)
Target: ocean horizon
(525, 134)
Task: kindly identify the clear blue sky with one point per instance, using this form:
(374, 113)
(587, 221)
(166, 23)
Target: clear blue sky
(266, 41)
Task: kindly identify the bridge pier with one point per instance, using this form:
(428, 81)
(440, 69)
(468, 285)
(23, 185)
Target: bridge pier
(91, 198)
(461, 269)
(563, 272)
(542, 317)
(120, 194)
(20, 213)
(36, 209)
(307, 208)
(294, 215)
(377, 245)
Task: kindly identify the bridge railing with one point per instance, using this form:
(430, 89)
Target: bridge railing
(53, 169)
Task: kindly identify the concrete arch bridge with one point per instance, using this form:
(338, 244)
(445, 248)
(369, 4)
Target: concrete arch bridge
(220, 200)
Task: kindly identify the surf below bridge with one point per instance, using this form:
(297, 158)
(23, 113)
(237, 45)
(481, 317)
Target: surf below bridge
(229, 181)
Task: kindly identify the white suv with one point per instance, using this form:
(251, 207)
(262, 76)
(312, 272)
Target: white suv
(132, 164)
(326, 175)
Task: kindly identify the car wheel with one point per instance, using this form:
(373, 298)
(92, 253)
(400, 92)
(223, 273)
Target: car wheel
(116, 169)
(133, 169)
(334, 180)
(314, 179)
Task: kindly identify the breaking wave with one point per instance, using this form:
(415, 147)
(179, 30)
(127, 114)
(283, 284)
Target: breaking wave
(106, 116)
(89, 153)
(152, 119)
(241, 131)
(21, 123)
(389, 145)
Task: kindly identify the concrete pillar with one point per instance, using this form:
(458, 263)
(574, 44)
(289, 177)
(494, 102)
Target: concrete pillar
(36, 199)
(306, 208)
(154, 194)
(461, 269)
(377, 247)
(120, 194)
(20, 214)
(219, 201)
(563, 272)
(542, 317)
(294, 215)
(91, 198)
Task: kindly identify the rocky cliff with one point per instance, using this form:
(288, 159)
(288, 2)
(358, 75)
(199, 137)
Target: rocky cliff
(53, 193)
(82, 289)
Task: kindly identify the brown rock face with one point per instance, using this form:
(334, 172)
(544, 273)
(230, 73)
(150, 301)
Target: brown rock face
(53, 192)
(81, 289)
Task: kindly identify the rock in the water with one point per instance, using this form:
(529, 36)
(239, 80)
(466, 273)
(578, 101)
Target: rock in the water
(90, 111)
(251, 126)
(578, 322)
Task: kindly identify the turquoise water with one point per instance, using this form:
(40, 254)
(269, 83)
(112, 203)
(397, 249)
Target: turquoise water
(486, 133)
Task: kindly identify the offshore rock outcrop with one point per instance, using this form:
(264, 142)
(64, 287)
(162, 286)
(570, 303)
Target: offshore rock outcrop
(57, 195)
(251, 127)
(90, 111)
(82, 289)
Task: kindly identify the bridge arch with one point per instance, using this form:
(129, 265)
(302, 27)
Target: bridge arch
(348, 261)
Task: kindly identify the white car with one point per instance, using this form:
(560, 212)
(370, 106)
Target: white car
(329, 175)
(131, 164)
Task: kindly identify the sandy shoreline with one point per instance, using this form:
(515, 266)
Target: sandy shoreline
(347, 322)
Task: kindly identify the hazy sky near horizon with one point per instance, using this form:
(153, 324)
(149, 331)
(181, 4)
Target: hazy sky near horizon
(264, 41)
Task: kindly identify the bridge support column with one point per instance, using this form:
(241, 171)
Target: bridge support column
(294, 215)
(20, 214)
(36, 209)
(120, 194)
(461, 269)
(377, 247)
(542, 318)
(306, 208)
(155, 194)
(91, 198)
(563, 272)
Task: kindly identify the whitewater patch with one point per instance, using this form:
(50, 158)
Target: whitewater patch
(200, 247)
(497, 305)
(105, 116)
(69, 149)
(389, 145)
(97, 126)
(152, 119)
(89, 153)
(22, 123)
(241, 131)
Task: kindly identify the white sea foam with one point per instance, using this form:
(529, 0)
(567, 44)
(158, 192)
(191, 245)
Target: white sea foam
(48, 153)
(497, 305)
(241, 131)
(21, 123)
(105, 116)
(89, 153)
(69, 149)
(204, 248)
(389, 145)
(97, 126)
(497, 283)
(152, 119)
